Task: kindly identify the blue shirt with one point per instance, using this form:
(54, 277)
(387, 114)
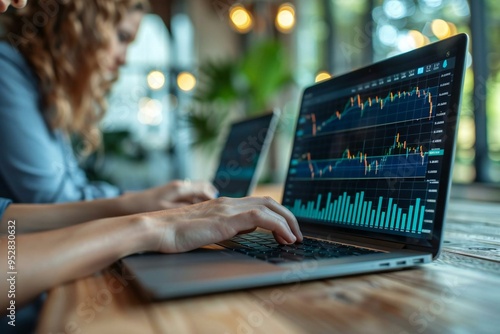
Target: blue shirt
(4, 203)
(37, 165)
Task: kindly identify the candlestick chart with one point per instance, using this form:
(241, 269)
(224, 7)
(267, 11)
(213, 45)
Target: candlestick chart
(370, 157)
(371, 109)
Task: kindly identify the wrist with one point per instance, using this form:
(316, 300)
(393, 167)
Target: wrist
(143, 233)
(163, 229)
(127, 204)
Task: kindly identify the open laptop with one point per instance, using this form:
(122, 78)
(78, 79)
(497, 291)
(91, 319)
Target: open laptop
(368, 180)
(243, 154)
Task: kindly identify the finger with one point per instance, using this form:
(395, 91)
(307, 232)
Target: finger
(19, 3)
(210, 188)
(261, 216)
(279, 239)
(4, 4)
(293, 223)
(197, 192)
(280, 219)
(248, 231)
(208, 191)
(285, 213)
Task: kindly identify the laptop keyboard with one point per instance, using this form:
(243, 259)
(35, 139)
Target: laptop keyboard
(263, 246)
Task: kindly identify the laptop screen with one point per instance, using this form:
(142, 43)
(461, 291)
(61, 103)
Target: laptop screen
(373, 149)
(243, 152)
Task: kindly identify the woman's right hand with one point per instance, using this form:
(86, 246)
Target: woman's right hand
(190, 227)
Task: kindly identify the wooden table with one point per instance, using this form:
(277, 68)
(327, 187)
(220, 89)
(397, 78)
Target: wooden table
(458, 293)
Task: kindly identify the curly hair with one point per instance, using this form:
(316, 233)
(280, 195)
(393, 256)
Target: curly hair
(64, 41)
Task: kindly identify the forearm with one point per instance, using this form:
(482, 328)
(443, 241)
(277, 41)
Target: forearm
(43, 217)
(46, 259)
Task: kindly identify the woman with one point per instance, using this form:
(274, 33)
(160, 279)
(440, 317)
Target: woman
(57, 62)
(63, 247)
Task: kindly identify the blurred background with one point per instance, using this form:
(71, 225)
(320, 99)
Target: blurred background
(197, 65)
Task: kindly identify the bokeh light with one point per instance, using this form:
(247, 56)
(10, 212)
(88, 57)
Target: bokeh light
(150, 111)
(418, 38)
(388, 34)
(186, 81)
(285, 19)
(322, 76)
(156, 80)
(440, 28)
(241, 19)
(453, 29)
(395, 9)
(433, 3)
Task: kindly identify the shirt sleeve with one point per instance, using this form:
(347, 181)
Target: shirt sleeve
(4, 203)
(37, 165)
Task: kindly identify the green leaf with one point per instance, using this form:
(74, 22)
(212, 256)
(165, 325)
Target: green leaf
(253, 81)
(216, 82)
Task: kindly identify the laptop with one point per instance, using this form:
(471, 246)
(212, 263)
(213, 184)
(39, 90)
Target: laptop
(368, 180)
(243, 154)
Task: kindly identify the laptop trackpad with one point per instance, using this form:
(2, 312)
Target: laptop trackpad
(198, 270)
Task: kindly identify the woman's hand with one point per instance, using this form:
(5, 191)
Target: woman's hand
(193, 226)
(170, 196)
(180, 193)
(4, 4)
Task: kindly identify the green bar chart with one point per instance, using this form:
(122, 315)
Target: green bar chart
(358, 210)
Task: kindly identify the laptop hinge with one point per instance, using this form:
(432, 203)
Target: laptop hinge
(339, 236)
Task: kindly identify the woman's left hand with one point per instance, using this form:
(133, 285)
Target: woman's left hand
(172, 195)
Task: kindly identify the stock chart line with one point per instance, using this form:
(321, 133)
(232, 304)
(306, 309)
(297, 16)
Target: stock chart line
(420, 105)
(360, 211)
(412, 159)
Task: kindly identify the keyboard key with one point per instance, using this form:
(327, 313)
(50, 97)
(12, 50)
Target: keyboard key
(263, 246)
